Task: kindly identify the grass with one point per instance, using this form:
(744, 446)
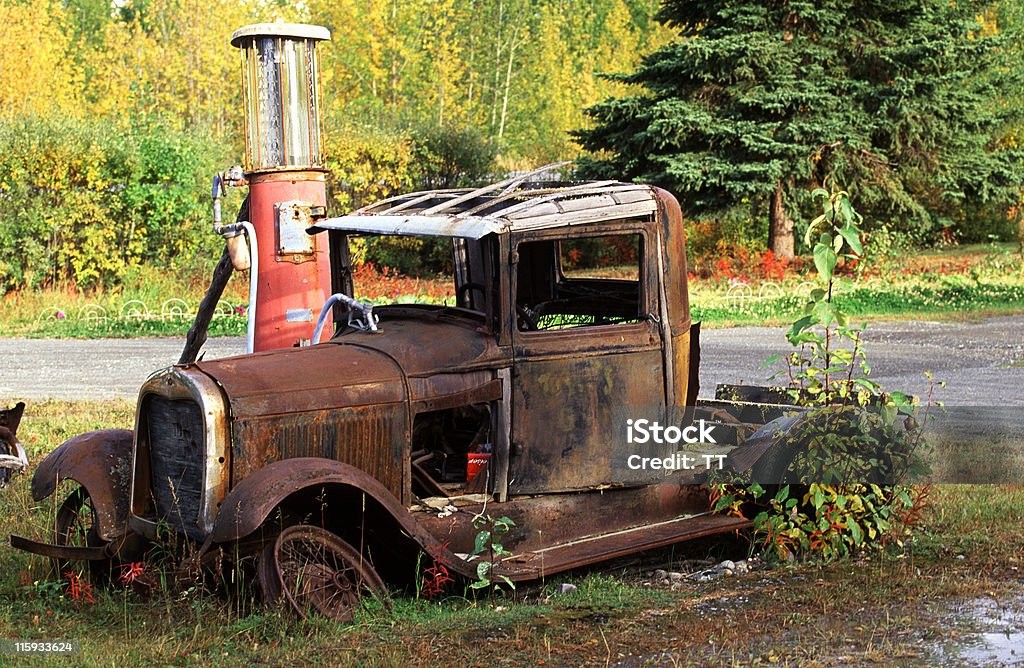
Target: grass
(956, 283)
(156, 303)
(150, 303)
(946, 284)
(885, 607)
(925, 296)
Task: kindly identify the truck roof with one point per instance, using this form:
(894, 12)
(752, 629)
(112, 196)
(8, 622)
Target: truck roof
(510, 205)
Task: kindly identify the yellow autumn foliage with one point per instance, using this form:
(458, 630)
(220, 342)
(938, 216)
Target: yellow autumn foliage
(38, 74)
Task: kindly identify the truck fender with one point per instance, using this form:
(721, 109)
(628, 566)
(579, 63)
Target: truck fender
(99, 461)
(371, 515)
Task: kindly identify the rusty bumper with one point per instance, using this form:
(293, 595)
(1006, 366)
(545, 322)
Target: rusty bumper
(69, 552)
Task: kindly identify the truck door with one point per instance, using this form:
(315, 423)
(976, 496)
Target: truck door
(586, 347)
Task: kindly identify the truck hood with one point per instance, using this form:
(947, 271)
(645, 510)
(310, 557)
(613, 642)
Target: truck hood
(428, 343)
(409, 360)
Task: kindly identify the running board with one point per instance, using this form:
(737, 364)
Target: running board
(593, 549)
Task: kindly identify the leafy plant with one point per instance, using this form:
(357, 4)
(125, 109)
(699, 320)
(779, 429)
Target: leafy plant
(87, 201)
(840, 463)
(829, 350)
(488, 548)
(78, 589)
(451, 156)
(827, 521)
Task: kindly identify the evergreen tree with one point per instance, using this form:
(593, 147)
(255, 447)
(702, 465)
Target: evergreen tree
(754, 101)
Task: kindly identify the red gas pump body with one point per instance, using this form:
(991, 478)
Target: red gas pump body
(294, 280)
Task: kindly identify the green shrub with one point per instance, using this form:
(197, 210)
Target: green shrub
(84, 201)
(367, 164)
(852, 463)
(364, 165)
(452, 156)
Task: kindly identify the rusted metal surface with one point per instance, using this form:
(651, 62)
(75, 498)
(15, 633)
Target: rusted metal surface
(614, 522)
(352, 400)
(10, 418)
(474, 214)
(543, 521)
(100, 461)
(674, 279)
(300, 380)
(372, 438)
(251, 501)
(68, 552)
(350, 502)
(426, 341)
(12, 455)
(451, 390)
(594, 549)
(761, 441)
(555, 533)
(564, 410)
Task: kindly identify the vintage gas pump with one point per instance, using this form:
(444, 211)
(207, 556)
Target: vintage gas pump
(290, 279)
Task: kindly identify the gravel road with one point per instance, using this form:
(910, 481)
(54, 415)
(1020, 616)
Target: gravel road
(982, 362)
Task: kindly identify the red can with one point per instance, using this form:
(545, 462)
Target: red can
(476, 462)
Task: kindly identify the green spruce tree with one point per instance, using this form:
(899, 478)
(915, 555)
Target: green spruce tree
(900, 100)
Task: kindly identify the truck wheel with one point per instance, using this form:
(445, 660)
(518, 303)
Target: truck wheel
(315, 571)
(76, 527)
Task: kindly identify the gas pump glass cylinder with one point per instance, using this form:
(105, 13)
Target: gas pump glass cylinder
(281, 77)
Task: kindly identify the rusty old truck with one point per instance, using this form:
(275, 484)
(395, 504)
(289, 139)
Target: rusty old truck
(354, 462)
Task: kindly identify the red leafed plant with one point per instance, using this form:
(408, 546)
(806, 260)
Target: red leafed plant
(435, 579)
(131, 572)
(911, 516)
(723, 268)
(78, 589)
(386, 283)
(771, 267)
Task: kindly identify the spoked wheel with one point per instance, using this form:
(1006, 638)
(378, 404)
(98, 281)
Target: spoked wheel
(76, 526)
(315, 571)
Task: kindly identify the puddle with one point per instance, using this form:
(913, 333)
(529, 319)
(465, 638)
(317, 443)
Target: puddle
(993, 636)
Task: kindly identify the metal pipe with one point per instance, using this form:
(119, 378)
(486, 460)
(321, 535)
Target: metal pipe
(228, 231)
(218, 190)
(364, 308)
(254, 275)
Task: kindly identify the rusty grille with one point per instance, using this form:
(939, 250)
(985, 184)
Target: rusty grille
(365, 437)
(176, 445)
